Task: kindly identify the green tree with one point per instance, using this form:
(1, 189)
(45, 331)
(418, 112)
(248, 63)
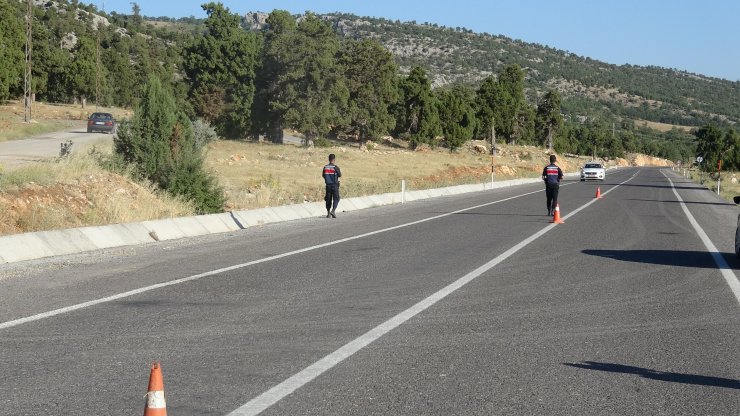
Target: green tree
(160, 144)
(12, 43)
(266, 118)
(485, 99)
(369, 71)
(732, 157)
(220, 67)
(549, 118)
(82, 71)
(508, 105)
(457, 115)
(136, 18)
(306, 87)
(710, 146)
(417, 115)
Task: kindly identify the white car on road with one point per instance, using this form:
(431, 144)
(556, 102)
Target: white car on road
(593, 171)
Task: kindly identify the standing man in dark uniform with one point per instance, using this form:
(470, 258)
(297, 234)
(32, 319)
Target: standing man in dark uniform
(331, 175)
(552, 176)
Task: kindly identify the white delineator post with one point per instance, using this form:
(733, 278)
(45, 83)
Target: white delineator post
(403, 190)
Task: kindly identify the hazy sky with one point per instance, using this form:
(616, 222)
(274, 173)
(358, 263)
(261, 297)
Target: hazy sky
(697, 36)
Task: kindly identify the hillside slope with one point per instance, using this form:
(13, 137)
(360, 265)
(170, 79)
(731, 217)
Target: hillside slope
(590, 87)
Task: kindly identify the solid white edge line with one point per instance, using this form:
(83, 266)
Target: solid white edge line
(724, 268)
(71, 308)
(278, 392)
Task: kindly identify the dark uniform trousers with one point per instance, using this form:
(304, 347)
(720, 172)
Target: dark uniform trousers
(551, 191)
(332, 196)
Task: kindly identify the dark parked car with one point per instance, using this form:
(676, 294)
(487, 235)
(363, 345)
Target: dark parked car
(737, 229)
(103, 122)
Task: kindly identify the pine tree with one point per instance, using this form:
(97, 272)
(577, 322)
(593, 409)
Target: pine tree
(303, 79)
(12, 41)
(457, 115)
(417, 115)
(549, 118)
(369, 71)
(160, 144)
(220, 67)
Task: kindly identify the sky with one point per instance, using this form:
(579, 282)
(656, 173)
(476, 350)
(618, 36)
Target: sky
(701, 37)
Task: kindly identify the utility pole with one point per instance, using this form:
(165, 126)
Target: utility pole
(493, 149)
(27, 81)
(97, 72)
(97, 65)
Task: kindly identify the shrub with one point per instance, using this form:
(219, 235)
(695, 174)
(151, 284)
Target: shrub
(322, 142)
(203, 132)
(159, 141)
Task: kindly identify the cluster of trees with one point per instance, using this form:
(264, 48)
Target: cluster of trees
(687, 99)
(65, 54)
(301, 74)
(715, 144)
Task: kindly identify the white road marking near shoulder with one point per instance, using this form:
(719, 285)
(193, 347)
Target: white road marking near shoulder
(275, 394)
(724, 268)
(71, 308)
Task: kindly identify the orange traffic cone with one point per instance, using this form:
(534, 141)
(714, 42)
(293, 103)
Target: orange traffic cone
(598, 192)
(556, 219)
(155, 403)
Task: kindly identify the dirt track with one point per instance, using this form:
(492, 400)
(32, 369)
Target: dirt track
(15, 153)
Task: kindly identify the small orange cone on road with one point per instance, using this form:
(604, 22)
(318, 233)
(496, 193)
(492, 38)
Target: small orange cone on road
(598, 192)
(155, 403)
(556, 219)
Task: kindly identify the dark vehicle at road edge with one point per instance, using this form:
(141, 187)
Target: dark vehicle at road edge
(102, 122)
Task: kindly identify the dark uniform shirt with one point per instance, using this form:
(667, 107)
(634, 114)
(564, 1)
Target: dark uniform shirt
(552, 174)
(331, 174)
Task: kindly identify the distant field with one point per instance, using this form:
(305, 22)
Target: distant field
(662, 127)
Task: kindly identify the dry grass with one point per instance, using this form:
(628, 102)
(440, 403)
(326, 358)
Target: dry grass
(727, 189)
(259, 174)
(75, 192)
(662, 127)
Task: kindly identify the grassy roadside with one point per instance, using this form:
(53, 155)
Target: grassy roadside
(34, 128)
(727, 189)
(256, 175)
(76, 191)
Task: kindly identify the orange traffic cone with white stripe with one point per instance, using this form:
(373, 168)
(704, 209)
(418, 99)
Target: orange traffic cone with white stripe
(155, 403)
(598, 192)
(556, 218)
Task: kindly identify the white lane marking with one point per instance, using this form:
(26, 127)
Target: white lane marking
(726, 270)
(278, 392)
(55, 312)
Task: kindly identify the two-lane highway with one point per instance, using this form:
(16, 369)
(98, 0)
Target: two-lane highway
(468, 305)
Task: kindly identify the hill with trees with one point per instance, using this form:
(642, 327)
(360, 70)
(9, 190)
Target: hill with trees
(340, 76)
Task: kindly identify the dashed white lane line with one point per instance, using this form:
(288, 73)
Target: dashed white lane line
(275, 394)
(724, 268)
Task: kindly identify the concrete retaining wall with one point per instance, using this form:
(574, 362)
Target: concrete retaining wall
(29, 246)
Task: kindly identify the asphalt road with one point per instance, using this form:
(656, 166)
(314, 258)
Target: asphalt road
(15, 153)
(472, 305)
